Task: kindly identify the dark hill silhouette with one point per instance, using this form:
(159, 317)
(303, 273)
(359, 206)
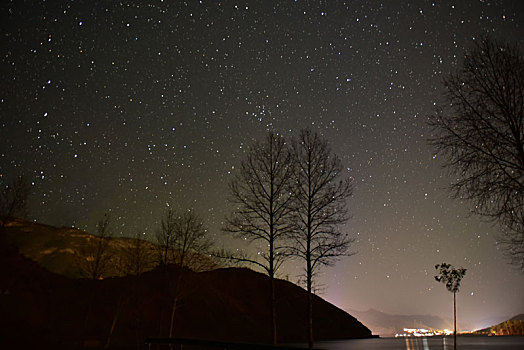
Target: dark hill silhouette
(41, 309)
(519, 317)
(513, 326)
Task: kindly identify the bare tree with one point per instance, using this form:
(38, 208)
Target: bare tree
(320, 209)
(451, 277)
(136, 257)
(480, 136)
(165, 236)
(187, 247)
(13, 201)
(261, 196)
(95, 259)
(191, 244)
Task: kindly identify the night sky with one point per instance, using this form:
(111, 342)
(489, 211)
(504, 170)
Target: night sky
(126, 106)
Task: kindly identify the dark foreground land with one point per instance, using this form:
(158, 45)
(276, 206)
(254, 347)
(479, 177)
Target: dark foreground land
(43, 310)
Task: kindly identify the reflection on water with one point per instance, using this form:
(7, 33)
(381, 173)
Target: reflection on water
(426, 343)
(412, 343)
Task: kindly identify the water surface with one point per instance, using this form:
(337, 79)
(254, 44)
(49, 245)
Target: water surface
(426, 343)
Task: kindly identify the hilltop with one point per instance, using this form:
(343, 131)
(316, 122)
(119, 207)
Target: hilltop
(63, 250)
(512, 326)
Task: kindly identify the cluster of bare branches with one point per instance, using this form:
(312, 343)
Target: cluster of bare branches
(182, 242)
(95, 259)
(261, 192)
(480, 136)
(136, 257)
(182, 245)
(13, 200)
(292, 199)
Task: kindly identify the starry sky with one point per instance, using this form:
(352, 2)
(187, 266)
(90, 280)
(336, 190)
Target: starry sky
(129, 105)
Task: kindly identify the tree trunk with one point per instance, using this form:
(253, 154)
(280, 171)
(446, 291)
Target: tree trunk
(273, 311)
(138, 327)
(310, 319)
(113, 325)
(177, 290)
(310, 305)
(309, 277)
(89, 305)
(454, 321)
(271, 253)
(172, 322)
(136, 303)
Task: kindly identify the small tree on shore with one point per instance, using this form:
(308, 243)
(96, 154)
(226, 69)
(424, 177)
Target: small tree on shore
(451, 277)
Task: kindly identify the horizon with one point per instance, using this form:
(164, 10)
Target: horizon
(463, 326)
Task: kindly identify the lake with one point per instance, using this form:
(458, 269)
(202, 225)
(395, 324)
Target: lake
(426, 343)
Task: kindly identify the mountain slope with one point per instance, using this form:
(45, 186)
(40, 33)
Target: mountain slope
(64, 250)
(225, 304)
(513, 326)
